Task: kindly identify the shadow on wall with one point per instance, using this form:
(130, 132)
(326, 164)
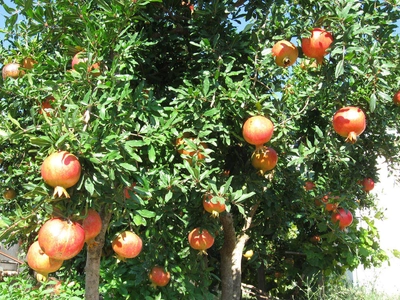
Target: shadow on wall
(9, 262)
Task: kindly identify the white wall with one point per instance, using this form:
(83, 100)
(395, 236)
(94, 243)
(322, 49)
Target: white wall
(387, 278)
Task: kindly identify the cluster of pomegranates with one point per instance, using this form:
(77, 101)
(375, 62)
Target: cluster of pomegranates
(348, 122)
(343, 217)
(190, 147)
(61, 239)
(315, 46)
(257, 131)
(16, 70)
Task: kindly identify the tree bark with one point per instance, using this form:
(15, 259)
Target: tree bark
(227, 285)
(231, 256)
(92, 269)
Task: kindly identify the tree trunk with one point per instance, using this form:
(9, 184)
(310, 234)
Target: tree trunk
(93, 257)
(231, 260)
(231, 255)
(227, 282)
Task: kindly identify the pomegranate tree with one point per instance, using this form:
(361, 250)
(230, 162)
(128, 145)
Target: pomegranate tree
(349, 122)
(317, 44)
(61, 239)
(264, 159)
(285, 53)
(258, 130)
(127, 245)
(200, 239)
(213, 208)
(343, 217)
(91, 225)
(41, 262)
(61, 170)
(159, 277)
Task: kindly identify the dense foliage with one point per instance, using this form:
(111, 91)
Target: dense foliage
(198, 69)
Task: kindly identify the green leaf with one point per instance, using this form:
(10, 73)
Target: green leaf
(372, 102)
(89, 186)
(14, 121)
(128, 167)
(138, 220)
(396, 253)
(241, 210)
(146, 213)
(206, 86)
(40, 141)
(152, 153)
(339, 68)
(225, 188)
(244, 197)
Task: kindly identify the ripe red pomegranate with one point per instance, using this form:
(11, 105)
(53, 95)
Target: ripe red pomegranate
(264, 159)
(127, 245)
(309, 185)
(349, 122)
(91, 225)
(81, 57)
(368, 184)
(213, 208)
(344, 217)
(200, 239)
(41, 262)
(396, 98)
(257, 130)
(61, 239)
(12, 70)
(317, 44)
(61, 170)
(159, 277)
(285, 53)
